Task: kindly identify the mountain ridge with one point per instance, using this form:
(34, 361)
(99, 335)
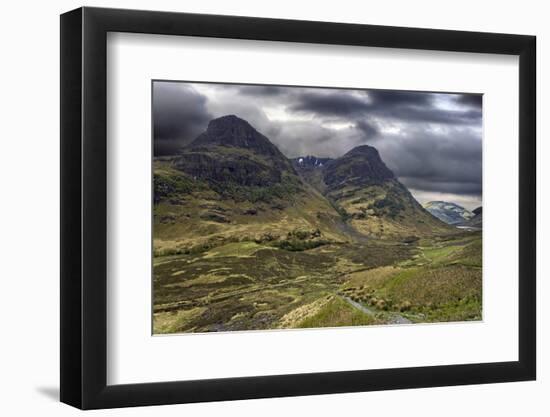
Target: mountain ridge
(235, 178)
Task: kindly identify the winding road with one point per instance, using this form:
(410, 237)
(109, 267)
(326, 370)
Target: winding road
(394, 318)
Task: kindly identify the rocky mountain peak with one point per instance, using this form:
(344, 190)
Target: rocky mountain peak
(366, 150)
(231, 150)
(231, 123)
(360, 166)
(232, 131)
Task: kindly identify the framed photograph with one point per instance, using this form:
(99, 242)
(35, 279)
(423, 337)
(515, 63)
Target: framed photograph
(257, 208)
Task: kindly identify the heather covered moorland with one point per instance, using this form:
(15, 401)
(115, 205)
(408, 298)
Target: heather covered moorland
(246, 238)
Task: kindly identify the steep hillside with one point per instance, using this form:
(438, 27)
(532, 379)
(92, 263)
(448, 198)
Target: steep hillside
(367, 192)
(367, 195)
(311, 169)
(232, 184)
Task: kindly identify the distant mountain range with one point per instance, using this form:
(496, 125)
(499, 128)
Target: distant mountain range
(449, 213)
(232, 182)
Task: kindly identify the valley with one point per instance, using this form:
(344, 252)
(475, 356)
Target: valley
(254, 286)
(247, 239)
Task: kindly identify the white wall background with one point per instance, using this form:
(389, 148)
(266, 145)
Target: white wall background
(29, 225)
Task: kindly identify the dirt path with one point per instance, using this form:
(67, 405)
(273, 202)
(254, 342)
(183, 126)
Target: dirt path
(394, 318)
(356, 305)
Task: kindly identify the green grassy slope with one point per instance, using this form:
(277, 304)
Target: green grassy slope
(252, 286)
(386, 210)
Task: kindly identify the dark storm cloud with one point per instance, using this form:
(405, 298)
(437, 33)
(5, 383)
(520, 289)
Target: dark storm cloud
(399, 98)
(431, 141)
(449, 187)
(328, 103)
(452, 155)
(369, 129)
(429, 115)
(179, 115)
(421, 107)
(470, 100)
(397, 105)
(262, 90)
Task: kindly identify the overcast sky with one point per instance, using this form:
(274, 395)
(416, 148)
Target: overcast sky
(431, 141)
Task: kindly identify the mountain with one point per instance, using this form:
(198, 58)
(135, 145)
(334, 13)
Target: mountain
(367, 192)
(360, 167)
(232, 184)
(450, 213)
(231, 150)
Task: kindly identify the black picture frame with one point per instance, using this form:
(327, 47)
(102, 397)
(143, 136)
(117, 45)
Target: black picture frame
(84, 207)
